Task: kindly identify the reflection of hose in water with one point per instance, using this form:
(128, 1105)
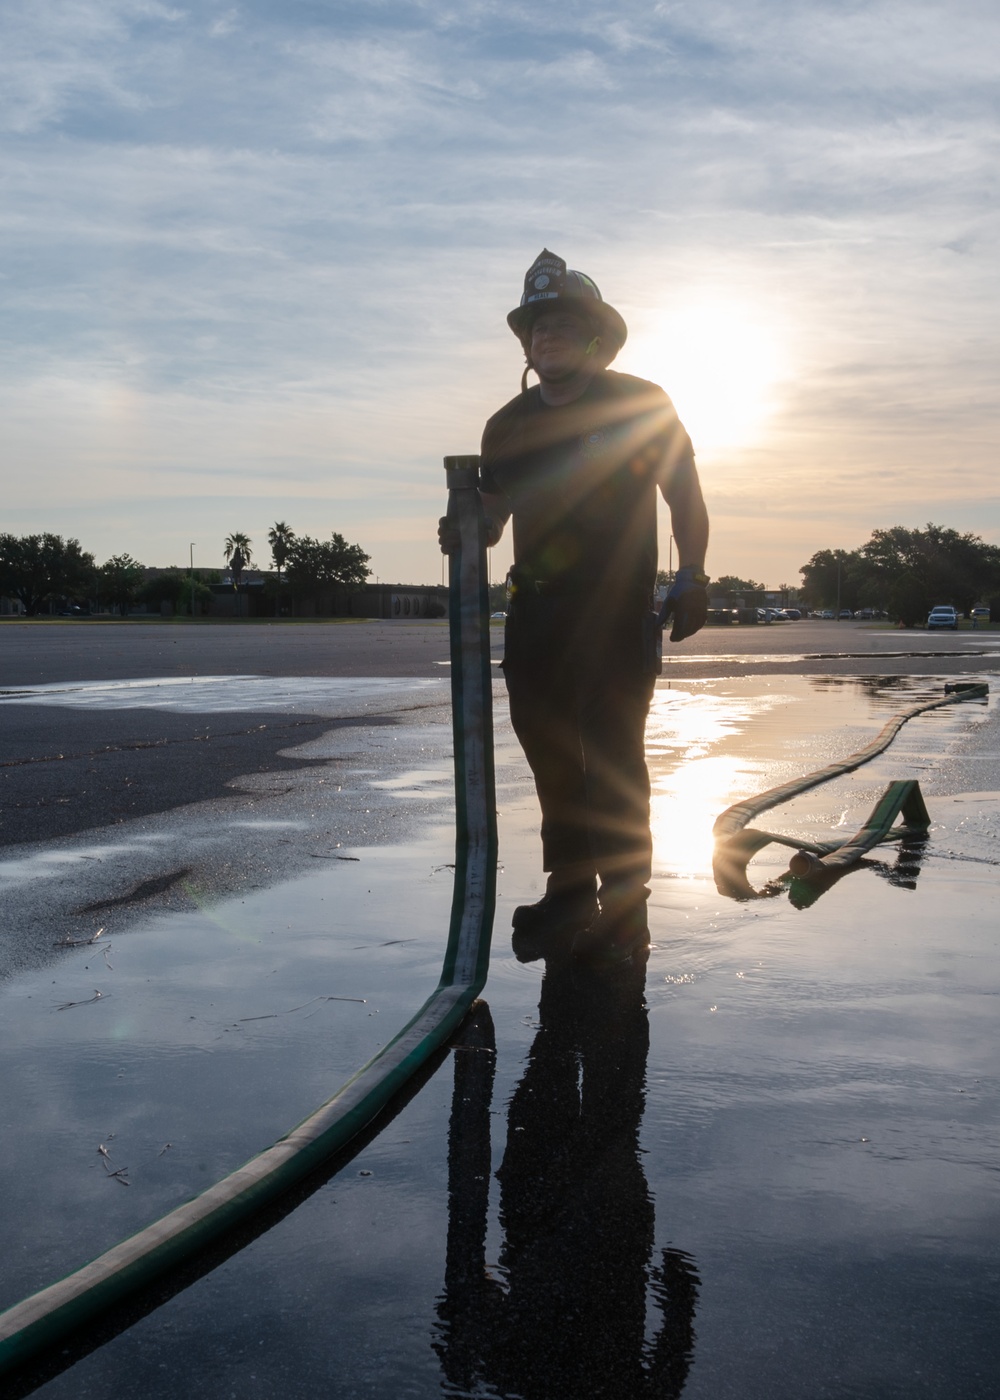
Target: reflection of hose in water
(566, 1312)
(43, 1320)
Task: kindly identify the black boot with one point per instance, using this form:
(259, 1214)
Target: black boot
(557, 917)
(620, 931)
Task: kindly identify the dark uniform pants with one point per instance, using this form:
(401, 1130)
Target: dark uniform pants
(580, 684)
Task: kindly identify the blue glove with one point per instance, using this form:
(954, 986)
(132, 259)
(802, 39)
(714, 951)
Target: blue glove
(686, 603)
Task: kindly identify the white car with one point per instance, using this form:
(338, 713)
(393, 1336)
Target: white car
(942, 617)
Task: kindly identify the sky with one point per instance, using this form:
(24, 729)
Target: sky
(256, 259)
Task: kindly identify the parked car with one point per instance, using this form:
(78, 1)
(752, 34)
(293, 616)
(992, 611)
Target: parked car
(979, 615)
(846, 612)
(943, 616)
(825, 613)
(791, 614)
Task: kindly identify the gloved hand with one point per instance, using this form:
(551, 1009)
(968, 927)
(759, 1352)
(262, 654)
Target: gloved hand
(449, 536)
(686, 603)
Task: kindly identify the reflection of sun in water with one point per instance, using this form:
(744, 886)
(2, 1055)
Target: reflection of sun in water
(721, 363)
(683, 809)
(691, 784)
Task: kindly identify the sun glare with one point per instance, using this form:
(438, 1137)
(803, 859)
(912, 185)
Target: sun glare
(698, 766)
(683, 809)
(721, 363)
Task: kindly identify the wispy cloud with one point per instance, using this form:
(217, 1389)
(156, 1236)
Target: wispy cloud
(284, 238)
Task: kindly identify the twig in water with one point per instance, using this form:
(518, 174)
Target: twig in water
(120, 1174)
(78, 942)
(270, 1015)
(67, 1004)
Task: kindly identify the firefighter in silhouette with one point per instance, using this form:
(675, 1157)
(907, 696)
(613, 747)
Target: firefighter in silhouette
(575, 464)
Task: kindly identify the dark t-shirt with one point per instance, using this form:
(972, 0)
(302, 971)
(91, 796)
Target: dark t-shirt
(581, 480)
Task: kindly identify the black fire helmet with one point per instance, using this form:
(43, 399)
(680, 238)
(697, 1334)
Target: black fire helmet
(549, 283)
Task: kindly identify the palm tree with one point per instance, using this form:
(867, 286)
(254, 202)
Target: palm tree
(280, 537)
(238, 541)
(238, 556)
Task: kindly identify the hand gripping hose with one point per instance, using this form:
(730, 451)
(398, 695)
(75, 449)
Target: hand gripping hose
(41, 1321)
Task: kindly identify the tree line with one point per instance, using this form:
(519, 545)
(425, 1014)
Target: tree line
(905, 573)
(45, 569)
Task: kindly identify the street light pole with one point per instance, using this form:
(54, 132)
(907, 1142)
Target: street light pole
(191, 549)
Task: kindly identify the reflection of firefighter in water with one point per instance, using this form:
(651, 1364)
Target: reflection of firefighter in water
(567, 1316)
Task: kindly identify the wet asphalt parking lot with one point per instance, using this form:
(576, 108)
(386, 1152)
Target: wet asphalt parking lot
(767, 1168)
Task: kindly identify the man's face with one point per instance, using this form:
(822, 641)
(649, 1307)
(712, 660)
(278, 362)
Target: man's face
(559, 341)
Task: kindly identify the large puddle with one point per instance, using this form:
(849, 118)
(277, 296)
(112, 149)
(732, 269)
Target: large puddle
(767, 1168)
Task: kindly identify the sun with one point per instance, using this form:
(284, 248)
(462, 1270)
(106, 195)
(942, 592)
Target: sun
(722, 363)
